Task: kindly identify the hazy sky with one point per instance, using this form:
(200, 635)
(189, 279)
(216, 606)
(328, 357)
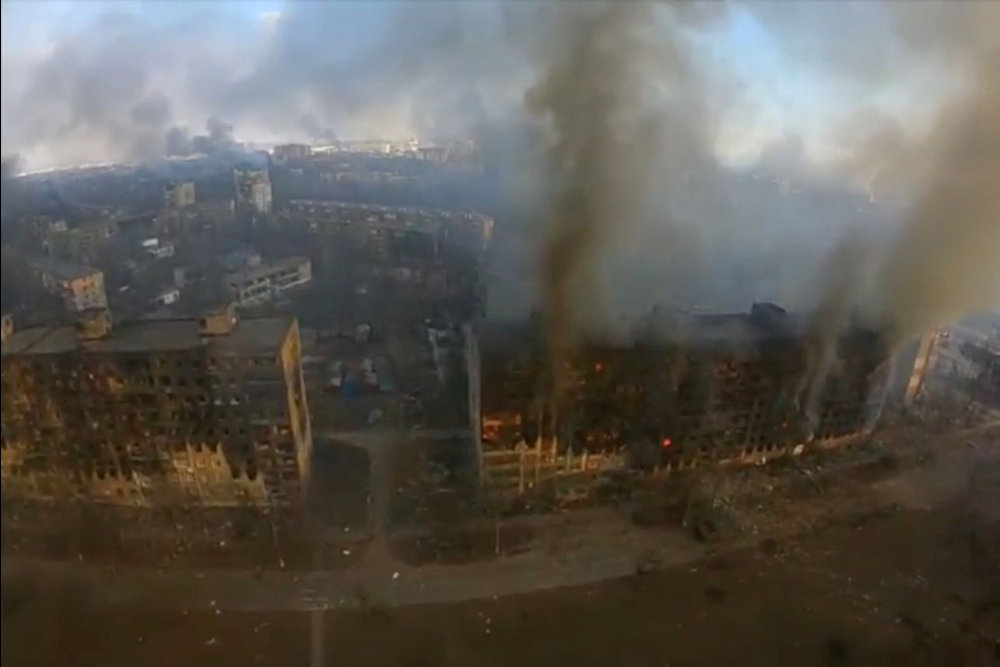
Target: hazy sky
(768, 60)
(898, 98)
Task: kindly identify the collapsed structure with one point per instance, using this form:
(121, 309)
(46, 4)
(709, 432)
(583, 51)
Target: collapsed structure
(443, 252)
(208, 411)
(701, 388)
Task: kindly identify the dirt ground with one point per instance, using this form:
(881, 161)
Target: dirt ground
(902, 587)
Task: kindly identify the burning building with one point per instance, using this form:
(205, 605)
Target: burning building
(705, 388)
(208, 411)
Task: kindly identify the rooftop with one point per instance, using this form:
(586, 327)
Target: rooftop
(254, 335)
(764, 322)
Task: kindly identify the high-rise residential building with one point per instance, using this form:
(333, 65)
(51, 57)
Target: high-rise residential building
(253, 189)
(179, 194)
(208, 411)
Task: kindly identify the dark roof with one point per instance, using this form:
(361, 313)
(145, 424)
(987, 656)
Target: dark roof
(249, 336)
(764, 322)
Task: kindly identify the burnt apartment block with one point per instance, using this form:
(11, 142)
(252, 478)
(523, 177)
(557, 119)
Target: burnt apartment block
(700, 388)
(209, 411)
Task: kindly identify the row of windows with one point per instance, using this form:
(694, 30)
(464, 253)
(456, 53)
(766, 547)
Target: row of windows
(43, 366)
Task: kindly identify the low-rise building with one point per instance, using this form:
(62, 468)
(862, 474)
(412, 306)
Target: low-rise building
(157, 250)
(83, 242)
(264, 282)
(167, 297)
(80, 287)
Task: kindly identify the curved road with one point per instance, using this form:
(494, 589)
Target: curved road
(574, 548)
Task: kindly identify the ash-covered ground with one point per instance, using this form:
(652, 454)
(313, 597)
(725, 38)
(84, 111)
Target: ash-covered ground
(893, 562)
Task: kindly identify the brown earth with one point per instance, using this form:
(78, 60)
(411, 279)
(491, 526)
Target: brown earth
(906, 587)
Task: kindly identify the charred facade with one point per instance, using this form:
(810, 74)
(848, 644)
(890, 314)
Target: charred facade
(707, 388)
(208, 411)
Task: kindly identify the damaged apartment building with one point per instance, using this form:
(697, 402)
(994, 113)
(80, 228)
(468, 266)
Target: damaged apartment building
(81, 242)
(437, 250)
(173, 412)
(77, 286)
(253, 190)
(704, 388)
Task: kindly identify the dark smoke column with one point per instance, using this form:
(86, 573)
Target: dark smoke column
(602, 144)
(946, 262)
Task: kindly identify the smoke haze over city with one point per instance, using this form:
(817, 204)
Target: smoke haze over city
(770, 140)
(469, 332)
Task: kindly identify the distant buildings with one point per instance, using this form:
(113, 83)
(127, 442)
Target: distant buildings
(287, 152)
(471, 230)
(370, 147)
(83, 242)
(157, 250)
(80, 287)
(263, 282)
(196, 217)
(253, 190)
(33, 233)
(208, 411)
(179, 194)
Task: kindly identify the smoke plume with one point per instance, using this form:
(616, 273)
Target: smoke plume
(624, 98)
(218, 139)
(944, 261)
(108, 92)
(599, 153)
